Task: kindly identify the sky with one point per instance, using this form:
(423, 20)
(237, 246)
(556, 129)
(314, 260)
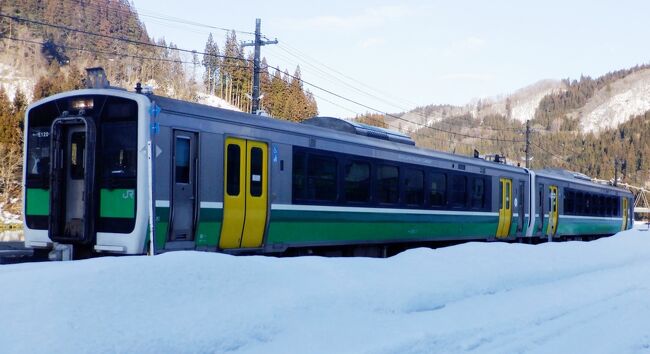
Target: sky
(392, 56)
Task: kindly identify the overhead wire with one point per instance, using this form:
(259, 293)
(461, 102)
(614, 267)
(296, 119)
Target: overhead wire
(288, 50)
(376, 97)
(127, 40)
(158, 16)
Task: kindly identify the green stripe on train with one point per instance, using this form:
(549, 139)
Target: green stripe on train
(207, 231)
(117, 203)
(38, 201)
(592, 226)
(296, 227)
(209, 228)
(162, 226)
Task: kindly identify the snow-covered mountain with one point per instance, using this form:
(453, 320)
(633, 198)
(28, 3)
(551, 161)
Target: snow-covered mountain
(616, 103)
(610, 106)
(519, 105)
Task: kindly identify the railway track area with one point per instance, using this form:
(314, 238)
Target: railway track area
(15, 252)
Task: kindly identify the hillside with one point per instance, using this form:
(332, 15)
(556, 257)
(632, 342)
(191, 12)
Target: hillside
(519, 106)
(616, 103)
(582, 125)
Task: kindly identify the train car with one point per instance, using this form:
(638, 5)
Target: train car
(570, 206)
(105, 169)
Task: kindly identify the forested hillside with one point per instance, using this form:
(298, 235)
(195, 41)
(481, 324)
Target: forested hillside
(581, 125)
(46, 44)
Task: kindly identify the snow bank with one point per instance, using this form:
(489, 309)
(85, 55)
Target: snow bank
(484, 297)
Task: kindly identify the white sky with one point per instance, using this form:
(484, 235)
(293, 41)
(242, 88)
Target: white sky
(421, 52)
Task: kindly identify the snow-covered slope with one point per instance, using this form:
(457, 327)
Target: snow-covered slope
(11, 80)
(215, 101)
(616, 103)
(523, 104)
(570, 297)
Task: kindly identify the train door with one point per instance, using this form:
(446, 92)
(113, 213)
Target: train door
(625, 214)
(521, 206)
(245, 200)
(72, 180)
(552, 211)
(540, 208)
(505, 207)
(183, 201)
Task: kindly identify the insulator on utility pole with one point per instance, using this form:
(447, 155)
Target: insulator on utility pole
(257, 44)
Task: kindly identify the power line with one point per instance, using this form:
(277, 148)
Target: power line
(16, 18)
(552, 154)
(127, 40)
(158, 16)
(95, 51)
(399, 106)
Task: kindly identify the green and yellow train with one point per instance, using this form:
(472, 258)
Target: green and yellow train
(117, 172)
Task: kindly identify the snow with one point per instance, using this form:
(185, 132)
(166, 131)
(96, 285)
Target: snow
(617, 103)
(7, 217)
(215, 101)
(6, 236)
(477, 297)
(11, 80)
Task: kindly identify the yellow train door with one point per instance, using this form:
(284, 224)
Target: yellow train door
(245, 198)
(552, 211)
(505, 207)
(626, 216)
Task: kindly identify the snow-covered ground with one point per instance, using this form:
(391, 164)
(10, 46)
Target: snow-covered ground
(573, 297)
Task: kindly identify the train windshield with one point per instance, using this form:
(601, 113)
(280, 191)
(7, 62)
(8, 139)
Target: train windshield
(119, 147)
(38, 156)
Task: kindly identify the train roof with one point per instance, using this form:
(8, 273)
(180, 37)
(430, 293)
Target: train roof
(574, 177)
(364, 134)
(313, 128)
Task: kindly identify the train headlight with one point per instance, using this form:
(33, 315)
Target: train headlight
(86, 103)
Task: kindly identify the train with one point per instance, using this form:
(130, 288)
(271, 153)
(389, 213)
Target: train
(117, 172)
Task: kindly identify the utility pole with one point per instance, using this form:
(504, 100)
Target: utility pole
(616, 172)
(258, 43)
(527, 142)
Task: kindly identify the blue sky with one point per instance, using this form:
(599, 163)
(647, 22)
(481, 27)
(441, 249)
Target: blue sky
(401, 54)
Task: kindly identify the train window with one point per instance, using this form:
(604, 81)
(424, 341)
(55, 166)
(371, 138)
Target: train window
(588, 204)
(357, 182)
(414, 187)
(457, 191)
(119, 142)
(322, 178)
(438, 192)
(233, 169)
(77, 148)
(38, 155)
(580, 203)
(508, 195)
(569, 200)
(388, 186)
(603, 205)
(299, 181)
(182, 157)
(478, 193)
(257, 161)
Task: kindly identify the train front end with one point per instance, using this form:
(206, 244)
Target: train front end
(85, 173)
